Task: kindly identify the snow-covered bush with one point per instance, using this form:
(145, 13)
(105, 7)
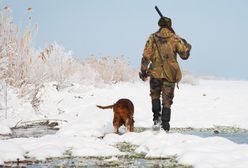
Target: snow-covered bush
(189, 78)
(53, 63)
(109, 69)
(15, 49)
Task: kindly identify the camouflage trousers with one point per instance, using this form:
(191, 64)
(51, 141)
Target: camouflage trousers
(158, 86)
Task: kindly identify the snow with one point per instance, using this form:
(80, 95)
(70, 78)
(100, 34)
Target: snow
(4, 129)
(207, 104)
(193, 150)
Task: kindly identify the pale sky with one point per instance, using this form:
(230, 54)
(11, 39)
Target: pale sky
(217, 29)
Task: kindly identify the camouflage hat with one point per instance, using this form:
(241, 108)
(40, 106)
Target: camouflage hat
(163, 22)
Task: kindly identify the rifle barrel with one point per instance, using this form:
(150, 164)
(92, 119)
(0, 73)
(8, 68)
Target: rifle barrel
(160, 14)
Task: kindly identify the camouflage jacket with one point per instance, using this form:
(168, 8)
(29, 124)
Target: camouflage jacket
(160, 55)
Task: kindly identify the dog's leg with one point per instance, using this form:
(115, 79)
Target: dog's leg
(127, 125)
(116, 130)
(131, 126)
(116, 123)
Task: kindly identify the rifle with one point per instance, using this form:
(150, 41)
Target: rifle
(161, 16)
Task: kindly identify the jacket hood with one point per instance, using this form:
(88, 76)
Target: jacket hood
(164, 33)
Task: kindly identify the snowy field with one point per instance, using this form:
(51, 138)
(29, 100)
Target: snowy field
(207, 104)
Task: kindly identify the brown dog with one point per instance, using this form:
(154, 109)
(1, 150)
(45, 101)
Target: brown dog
(123, 114)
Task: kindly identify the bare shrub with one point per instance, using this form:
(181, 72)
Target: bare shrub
(36, 97)
(111, 70)
(15, 52)
(52, 64)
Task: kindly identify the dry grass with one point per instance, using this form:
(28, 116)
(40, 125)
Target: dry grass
(22, 66)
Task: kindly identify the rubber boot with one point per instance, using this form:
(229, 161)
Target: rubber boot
(166, 115)
(156, 109)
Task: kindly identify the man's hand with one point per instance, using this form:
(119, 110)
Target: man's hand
(143, 76)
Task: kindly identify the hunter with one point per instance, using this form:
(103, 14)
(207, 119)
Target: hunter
(159, 62)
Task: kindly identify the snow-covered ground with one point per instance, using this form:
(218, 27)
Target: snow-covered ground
(207, 104)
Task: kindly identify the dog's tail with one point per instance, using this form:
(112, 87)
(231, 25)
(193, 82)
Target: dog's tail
(105, 107)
